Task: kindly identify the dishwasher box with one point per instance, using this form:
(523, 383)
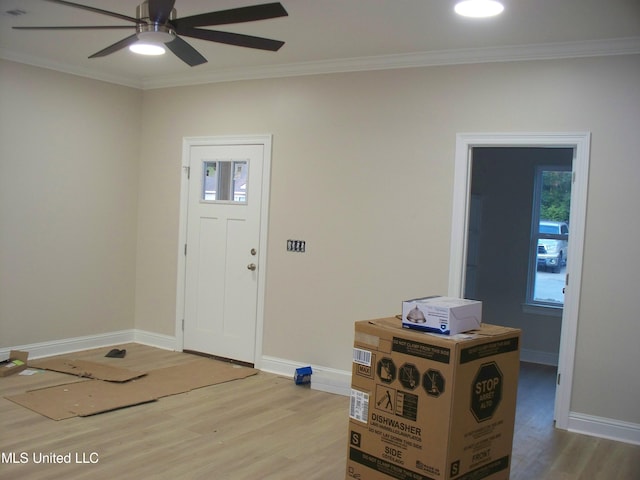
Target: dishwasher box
(426, 406)
(445, 315)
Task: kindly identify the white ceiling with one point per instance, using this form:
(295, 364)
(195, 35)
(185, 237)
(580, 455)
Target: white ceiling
(324, 36)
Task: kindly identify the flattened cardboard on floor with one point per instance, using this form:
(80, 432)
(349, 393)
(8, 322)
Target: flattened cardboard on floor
(97, 396)
(88, 369)
(81, 399)
(198, 373)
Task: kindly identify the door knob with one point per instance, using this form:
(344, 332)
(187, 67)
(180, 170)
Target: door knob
(251, 266)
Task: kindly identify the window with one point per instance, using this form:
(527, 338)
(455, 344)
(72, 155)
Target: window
(549, 237)
(225, 181)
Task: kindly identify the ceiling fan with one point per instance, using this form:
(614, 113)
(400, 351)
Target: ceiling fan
(156, 22)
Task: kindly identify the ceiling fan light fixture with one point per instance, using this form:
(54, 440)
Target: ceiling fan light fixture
(151, 40)
(142, 48)
(156, 36)
(479, 8)
(157, 26)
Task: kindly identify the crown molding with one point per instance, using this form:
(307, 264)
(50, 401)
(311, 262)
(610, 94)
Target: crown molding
(546, 51)
(70, 69)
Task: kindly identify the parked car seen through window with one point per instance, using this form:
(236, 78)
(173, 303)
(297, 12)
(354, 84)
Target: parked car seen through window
(552, 245)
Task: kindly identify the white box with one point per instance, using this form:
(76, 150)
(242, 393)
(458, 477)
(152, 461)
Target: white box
(445, 315)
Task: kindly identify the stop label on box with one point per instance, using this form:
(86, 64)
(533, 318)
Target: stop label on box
(486, 391)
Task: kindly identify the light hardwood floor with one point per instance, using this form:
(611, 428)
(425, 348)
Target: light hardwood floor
(263, 427)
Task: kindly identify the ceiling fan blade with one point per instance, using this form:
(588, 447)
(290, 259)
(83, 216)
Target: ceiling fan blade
(95, 10)
(229, 38)
(185, 52)
(125, 42)
(234, 15)
(160, 10)
(79, 27)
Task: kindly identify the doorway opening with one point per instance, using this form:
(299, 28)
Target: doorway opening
(517, 242)
(463, 228)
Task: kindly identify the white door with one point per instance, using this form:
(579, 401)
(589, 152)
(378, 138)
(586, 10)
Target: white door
(223, 249)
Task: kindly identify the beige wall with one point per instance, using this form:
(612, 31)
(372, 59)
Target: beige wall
(68, 202)
(363, 171)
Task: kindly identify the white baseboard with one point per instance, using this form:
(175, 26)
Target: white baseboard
(331, 380)
(70, 345)
(323, 379)
(604, 428)
(537, 356)
(278, 366)
(166, 342)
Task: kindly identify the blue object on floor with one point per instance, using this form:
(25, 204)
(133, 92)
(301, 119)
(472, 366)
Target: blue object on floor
(302, 375)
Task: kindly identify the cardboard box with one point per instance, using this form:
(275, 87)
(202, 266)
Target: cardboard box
(16, 363)
(445, 315)
(427, 406)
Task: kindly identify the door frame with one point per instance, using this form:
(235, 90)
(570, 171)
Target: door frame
(580, 142)
(187, 142)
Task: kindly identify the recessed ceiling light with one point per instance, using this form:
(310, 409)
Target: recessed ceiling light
(479, 8)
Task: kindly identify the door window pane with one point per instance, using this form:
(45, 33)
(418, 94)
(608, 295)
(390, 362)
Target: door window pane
(550, 236)
(225, 181)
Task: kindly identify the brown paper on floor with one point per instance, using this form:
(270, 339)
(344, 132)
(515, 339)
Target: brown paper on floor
(86, 368)
(81, 399)
(96, 396)
(198, 373)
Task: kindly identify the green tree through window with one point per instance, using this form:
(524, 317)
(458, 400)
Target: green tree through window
(555, 195)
